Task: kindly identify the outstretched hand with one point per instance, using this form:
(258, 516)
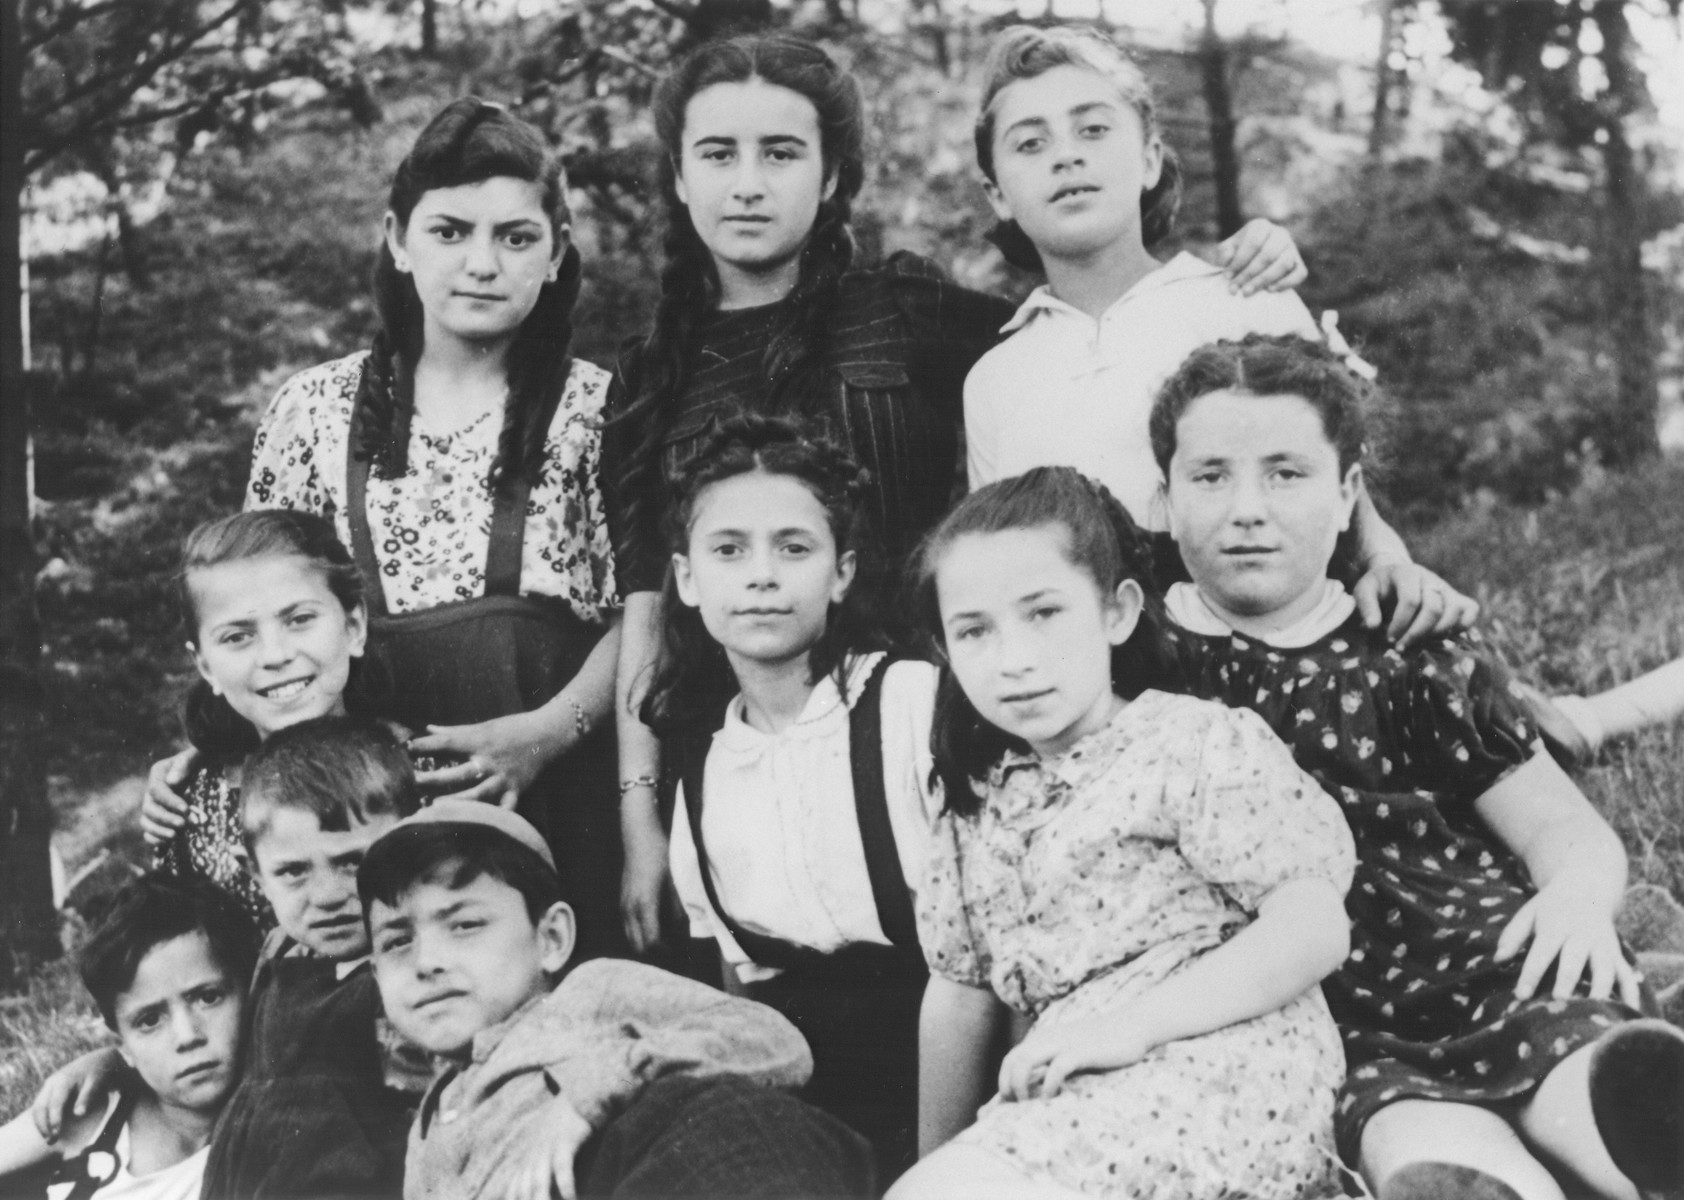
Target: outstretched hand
(1261, 257)
(1423, 604)
(1045, 1058)
(1565, 929)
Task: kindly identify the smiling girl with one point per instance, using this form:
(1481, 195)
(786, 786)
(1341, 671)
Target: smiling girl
(458, 459)
(763, 308)
(273, 608)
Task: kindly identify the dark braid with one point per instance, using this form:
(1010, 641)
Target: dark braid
(655, 371)
(470, 141)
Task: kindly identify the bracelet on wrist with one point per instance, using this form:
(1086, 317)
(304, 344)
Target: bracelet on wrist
(639, 781)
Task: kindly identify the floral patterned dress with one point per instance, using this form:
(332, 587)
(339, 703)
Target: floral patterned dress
(1082, 882)
(208, 846)
(431, 525)
(1407, 743)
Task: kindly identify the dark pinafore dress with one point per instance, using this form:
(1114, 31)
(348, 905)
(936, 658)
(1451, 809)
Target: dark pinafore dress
(492, 656)
(857, 1007)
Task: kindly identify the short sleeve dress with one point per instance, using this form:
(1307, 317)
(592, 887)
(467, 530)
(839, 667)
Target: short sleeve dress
(1083, 881)
(208, 845)
(1407, 742)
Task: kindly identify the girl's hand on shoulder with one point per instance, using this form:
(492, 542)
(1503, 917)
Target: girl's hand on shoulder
(1423, 604)
(163, 810)
(1566, 926)
(1261, 257)
(1045, 1058)
(76, 1089)
(501, 758)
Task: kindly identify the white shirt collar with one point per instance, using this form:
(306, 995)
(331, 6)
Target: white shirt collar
(1187, 608)
(1041, 300)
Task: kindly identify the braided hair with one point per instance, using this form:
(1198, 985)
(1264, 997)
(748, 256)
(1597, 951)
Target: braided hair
(693, 678)
(655, 368)
(468, 142)
(1101, 539)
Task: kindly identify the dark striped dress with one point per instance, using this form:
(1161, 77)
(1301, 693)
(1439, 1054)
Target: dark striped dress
(899, 347)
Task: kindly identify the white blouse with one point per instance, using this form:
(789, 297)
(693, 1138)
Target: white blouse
(1068, 390)
(431, 526)
(782, 836)
(178, 1182)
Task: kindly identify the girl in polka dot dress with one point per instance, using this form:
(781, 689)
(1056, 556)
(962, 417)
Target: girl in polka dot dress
(1490, 1016)
(1151, 879)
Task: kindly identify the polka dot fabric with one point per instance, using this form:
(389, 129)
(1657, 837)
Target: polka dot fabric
(1407, 743)
(1084, 881)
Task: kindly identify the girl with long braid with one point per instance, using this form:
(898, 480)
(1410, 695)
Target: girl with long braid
(458, 457)
(762, 308)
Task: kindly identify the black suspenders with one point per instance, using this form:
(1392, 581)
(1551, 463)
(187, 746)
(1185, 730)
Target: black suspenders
(871, 807)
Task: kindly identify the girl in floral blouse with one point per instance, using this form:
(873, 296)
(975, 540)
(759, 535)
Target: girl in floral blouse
(1150, 878)
(1489, 1014)
(458, 458)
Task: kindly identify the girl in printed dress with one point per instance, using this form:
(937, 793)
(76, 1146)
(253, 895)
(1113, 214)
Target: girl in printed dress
(457, 458)
(1148, 876)
(1490, 1016)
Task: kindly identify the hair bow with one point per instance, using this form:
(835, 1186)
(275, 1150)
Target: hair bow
(1336, 342)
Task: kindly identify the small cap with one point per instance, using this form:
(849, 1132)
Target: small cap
(473, 812)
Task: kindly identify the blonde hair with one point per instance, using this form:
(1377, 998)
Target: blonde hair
(1025, 52)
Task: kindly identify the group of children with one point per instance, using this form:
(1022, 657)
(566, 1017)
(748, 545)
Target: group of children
(1110, 861)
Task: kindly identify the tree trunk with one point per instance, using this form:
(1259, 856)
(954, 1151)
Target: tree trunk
(1379, 128)
(430, 28)
(28, 927)
(1219, 105)
(1625, 305)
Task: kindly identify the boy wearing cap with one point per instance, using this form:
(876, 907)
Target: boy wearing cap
(623, 1077)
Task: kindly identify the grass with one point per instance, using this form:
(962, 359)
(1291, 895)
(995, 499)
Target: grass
(1580, 594)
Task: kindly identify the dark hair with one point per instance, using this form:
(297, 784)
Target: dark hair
(1272, 365)
(693, 678)
(211, 722)
(453, 856)
(654, 371)
(470, 141)
(343, 770)
(1024, 52)
(159, 908)
(1100, 538)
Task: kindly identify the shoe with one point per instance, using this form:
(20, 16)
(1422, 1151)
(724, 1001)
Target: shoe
(1444, 1181)
(1637, 1097)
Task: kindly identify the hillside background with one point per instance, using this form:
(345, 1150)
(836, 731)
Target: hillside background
(1466, 230)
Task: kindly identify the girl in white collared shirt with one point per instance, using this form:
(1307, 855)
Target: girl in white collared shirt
(805, 806)
(1083, 184)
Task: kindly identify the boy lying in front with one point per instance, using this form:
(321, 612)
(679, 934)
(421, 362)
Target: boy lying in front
(619, 1079)
(167, 964)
